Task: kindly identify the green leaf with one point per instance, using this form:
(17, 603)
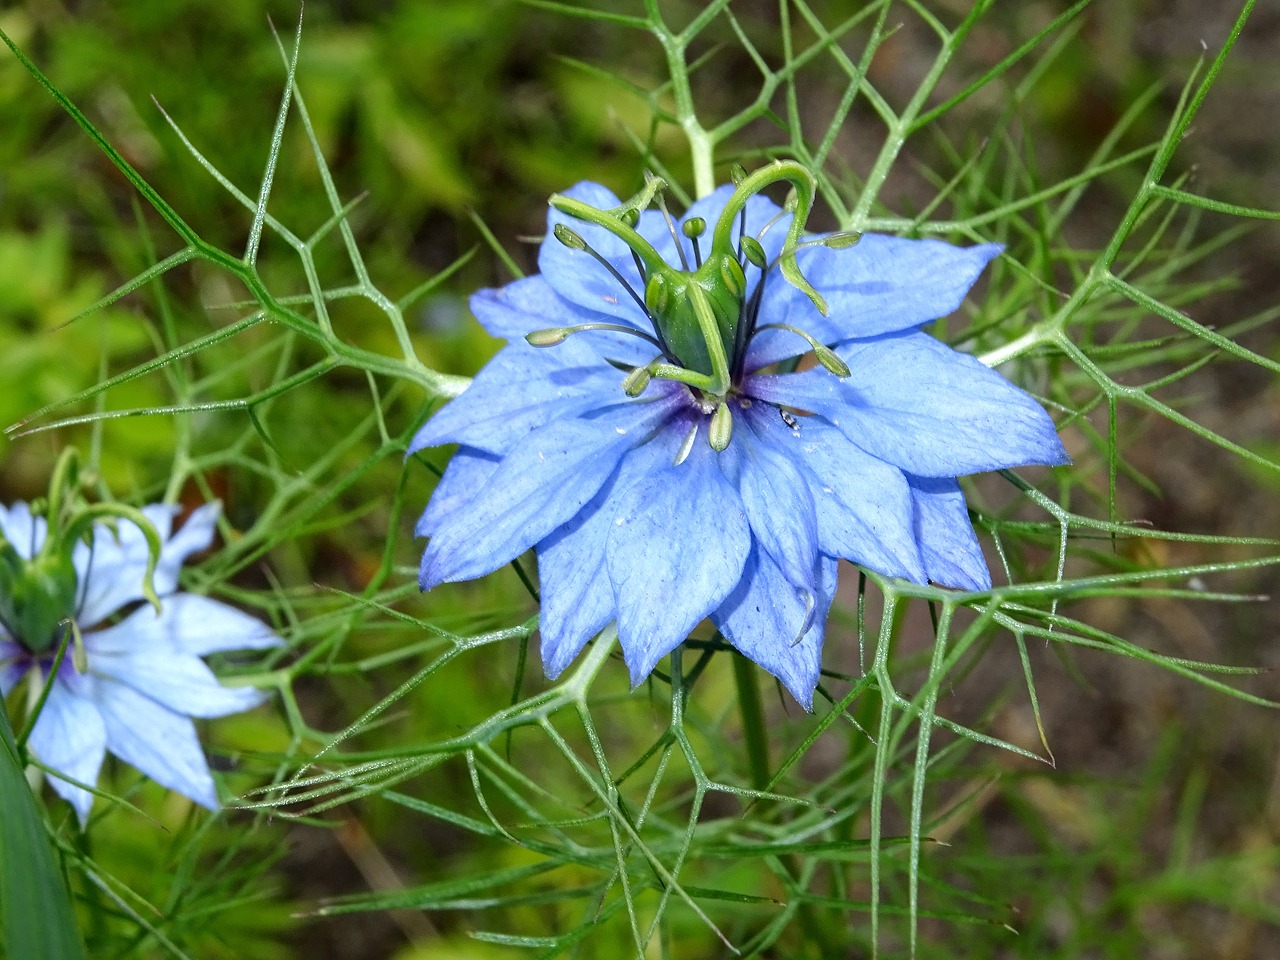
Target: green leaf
(35, 908)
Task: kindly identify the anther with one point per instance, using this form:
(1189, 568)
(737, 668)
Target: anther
(552, 336)
(720, 432)
(824, 354)
(569, 237)
(834, 241)
(636, 382)
(754, 252)
(574, 241)
(842, 240)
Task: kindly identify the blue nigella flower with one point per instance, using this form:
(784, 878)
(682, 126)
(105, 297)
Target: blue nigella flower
(134, 686)
(664, 332)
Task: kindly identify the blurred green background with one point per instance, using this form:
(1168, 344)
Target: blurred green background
(1156, 836)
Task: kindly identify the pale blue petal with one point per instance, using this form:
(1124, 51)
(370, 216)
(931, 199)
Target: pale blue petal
(881, 285)
(863, 505)
(112, 570)
(468, 471)
(187, 623)
(578, 277)
(779, 507)
(539, 486)
(519, 390)
(178, 681)
(513, 311)
(677, 549)
(916, 403)
(952, 556)
(69, 736)
(763, 618)
(159, 742)
(530, 304)
(577, 595)
(25, 532)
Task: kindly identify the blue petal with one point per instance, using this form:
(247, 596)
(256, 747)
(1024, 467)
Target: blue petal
(539, 486)
(677, 549)
(578, 277)
(779, 506)
(25, 532)
(180, 682)
(948, 544)
(863, 505)
(530, 304)
(112, 570)
(159, 742)
(69, 737)
(518, 391)
(187, 623)
(10, 671)
(519, 308)
(468, 471)
(916, 403)
(763, 618)
(577, 595)
(148, 651)
(881, 285)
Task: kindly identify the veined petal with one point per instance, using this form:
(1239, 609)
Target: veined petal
(530, 304)
(916, 403)
(178, 681)
(468, 471)
(112, 570)
(187, 623)
(764, 615)
(863, 505)
(69, 736)
(539, 486)
(881, 285)
(577, 594)
(578, 277)
(519, 390)
(677, 550)
(952, 556)
(151, 737)
(779, 507)
(25, 532)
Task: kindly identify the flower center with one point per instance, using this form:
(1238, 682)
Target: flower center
(703, 319)
(39, 590)
(35, 596)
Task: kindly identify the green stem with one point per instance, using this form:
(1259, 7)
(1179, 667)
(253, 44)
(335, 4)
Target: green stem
(603, 218)
(753, 728)
(806, 188)
(711, 334)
